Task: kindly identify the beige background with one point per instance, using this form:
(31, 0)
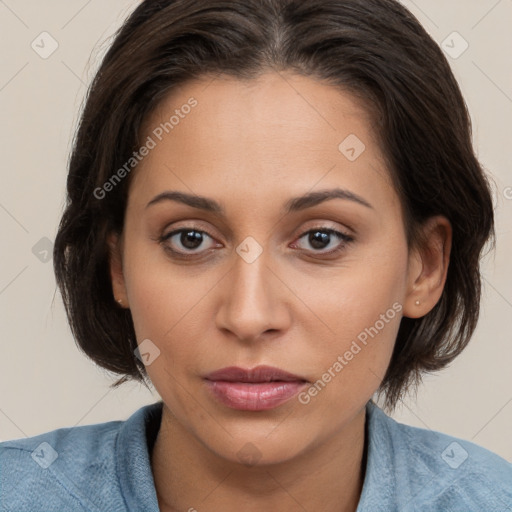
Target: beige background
(46, 383)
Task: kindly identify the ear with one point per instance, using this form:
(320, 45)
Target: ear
(115, 250)
(428, 267)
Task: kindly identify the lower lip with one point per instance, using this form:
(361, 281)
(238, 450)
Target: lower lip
(261, 396)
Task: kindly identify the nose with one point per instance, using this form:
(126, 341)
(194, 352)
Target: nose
(254, 301)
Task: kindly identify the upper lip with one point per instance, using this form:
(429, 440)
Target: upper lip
(256, 374)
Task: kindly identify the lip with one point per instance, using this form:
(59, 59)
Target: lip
(257, 374)
(256, 389)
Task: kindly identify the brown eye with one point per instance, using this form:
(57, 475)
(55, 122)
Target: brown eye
(185, 241)
(327, 240)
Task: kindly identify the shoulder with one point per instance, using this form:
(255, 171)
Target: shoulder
(441, 472)
(56, 470)
(460, 471)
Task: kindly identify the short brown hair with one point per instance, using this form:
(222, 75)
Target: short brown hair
(374, 49)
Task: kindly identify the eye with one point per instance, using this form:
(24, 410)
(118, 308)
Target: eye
(190, 242)
(322, 238)
(186, 241)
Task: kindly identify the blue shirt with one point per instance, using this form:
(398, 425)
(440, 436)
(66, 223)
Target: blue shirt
(106, 468)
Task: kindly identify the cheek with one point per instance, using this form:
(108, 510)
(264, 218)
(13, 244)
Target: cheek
(152, 305)
(156, 294)
(165, 309)
(353, 330)
(168, 304)
(350, 298)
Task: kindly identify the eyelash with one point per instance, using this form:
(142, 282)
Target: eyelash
(344, 238)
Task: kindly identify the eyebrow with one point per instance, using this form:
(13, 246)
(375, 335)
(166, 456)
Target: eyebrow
(292, 205)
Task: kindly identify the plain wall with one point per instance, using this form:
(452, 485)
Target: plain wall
(46, 383)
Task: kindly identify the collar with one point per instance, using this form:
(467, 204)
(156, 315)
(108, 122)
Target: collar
(133, 462)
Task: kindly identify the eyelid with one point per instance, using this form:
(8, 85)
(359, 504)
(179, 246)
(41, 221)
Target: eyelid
(327, 225)
(326, 229)
(187, 225)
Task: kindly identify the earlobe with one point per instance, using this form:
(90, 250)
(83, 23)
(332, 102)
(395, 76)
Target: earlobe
(114, 242)
(428, 268)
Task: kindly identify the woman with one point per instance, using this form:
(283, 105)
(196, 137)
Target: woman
(274, 212)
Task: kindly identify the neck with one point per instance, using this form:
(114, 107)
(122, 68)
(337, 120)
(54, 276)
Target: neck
(328, 476)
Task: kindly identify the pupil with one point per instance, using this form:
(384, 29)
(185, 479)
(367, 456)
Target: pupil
(191, 239)
(318, 238)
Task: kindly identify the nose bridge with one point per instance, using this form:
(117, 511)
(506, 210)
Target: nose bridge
(251, 303)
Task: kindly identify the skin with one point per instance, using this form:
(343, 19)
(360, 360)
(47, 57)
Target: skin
(251, 146)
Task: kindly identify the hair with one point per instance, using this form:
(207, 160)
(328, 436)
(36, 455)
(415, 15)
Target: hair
(374, 49)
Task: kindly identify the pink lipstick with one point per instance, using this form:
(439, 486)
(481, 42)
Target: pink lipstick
(257, 389)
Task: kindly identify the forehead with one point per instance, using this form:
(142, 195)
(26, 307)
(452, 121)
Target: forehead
(277, 132)
(293, 107)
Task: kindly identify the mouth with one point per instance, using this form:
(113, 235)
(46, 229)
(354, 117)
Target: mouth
(257, 389)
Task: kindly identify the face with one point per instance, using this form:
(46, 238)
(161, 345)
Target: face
(313, 287)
